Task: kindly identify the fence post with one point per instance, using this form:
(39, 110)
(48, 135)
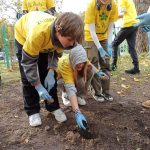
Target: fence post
(4, 37)
(148, 42)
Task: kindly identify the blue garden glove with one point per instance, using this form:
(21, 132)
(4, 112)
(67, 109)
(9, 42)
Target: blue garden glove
(43, 92)
(103, 53)
(79, 120)
(109, 49)
(49, 80)
(100, 74)
(146, 28)
(144, 20)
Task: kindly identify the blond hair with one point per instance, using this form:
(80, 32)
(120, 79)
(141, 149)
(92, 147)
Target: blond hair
(70, 24)
(84, 73)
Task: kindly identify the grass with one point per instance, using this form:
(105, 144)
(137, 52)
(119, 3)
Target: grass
(125, 62)
(9, 75)
(12, 75)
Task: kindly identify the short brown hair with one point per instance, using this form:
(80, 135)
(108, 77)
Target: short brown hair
(70, 24)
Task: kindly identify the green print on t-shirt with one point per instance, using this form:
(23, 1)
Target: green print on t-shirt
(103, 16)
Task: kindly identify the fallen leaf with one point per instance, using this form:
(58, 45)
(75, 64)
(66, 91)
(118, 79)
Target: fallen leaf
(123, 79)
(145, 65)
(125, 86)
(47, 128)
(146, 128)
(121, 93)
(10, 70)
(114, 82)
(70, 136)
(138, 149)
(146, 80)
(118, 139)
(26, 140)
(136, 80)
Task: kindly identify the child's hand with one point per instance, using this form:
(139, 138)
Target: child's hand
(49, 80)
(102, 75)
(103, 54)
(144, 20)
(43, 93)
(79, 120)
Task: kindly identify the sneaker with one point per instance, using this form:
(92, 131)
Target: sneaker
(114, 67)
(108, 97)
(146, 104)
(81, 101)
(67, 103)
(35, 120)
(59, 115)
(99, 98)
(132, 71)
(65, 99)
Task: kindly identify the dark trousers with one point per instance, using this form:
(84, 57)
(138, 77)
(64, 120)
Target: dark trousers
(128, 33)
(30, 95)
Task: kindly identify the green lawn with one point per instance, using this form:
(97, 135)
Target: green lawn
(9, 75)
(125, 62)
(12, 75)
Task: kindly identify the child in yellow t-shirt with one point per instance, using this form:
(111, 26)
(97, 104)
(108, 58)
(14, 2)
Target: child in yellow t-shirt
(77, 73)
(100, 16)
(38, 5)
(128, 31)
(40, 40)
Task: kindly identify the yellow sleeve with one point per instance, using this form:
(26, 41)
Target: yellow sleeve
(50, 4)
(24, 5)
(114, 13)
(68, 77)
(90, 13)
(64, 69)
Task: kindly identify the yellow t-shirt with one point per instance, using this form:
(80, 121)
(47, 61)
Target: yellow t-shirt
(64, 69)
(42, 5)
(101, 18)
(33, 32)
(129, 17)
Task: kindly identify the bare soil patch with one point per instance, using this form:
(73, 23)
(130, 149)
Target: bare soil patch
(119, 125)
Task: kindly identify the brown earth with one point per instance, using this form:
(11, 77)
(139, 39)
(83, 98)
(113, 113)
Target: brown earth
(119, 125)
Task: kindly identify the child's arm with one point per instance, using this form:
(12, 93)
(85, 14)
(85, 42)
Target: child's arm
(101, 74)
(102, 52)
(71, 92)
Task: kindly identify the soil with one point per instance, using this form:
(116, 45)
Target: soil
(119, 125)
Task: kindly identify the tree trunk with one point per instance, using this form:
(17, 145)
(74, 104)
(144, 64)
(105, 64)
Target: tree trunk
(141, 40)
